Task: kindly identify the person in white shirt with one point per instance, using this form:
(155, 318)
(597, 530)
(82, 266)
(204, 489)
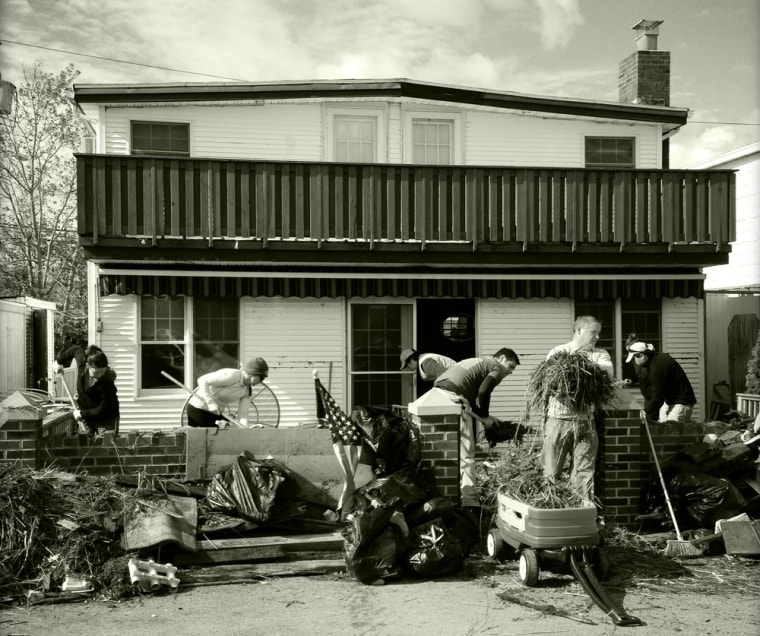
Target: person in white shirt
(429, 365)
(568, 431)
(221, 388)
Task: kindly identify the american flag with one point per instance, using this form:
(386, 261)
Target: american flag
(347, 438)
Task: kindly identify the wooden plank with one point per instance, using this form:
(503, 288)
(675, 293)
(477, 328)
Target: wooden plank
(507, 207)
(420, 206)
(403, 207)
(174, 198)
(116, 198)
(456, 207)
(232, 555)
(232, 206)
(641, 209)
(245, 201)
(191, 228)
(351, 204)
(391, 206)
(229, 574)
(290, 543)
(654, 207)
(132, 197)
(544, 202)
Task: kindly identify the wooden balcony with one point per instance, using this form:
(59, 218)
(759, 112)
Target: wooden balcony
(252, 210)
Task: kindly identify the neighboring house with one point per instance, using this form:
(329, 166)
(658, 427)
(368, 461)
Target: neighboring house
(732, 291)
(329, 225)
(27, 332)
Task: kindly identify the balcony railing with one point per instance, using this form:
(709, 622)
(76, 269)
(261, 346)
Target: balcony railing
(161, 198)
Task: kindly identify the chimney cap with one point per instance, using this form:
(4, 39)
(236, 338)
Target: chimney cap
(645, 27)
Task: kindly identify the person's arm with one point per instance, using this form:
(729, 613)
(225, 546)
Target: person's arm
(485, 389)
(603, 359)
(656, 398)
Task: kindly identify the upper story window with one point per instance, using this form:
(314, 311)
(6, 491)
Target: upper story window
(355, 134)
(610, 152)
(432, 141)
(355, 139)
(160, 138)
(432, 137)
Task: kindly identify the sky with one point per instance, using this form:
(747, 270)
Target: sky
(552, 48)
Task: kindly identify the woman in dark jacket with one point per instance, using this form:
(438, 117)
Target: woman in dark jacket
(663, 383)
(96, 393)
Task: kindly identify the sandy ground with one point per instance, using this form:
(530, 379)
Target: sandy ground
(710, 598)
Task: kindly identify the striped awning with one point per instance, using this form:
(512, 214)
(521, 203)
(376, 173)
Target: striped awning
(213, 286)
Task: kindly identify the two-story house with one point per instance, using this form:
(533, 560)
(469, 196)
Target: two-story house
(331, 224)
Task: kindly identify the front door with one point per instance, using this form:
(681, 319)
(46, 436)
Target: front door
(445, 326)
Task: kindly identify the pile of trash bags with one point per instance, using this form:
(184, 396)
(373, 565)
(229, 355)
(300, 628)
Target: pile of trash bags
(398, 523)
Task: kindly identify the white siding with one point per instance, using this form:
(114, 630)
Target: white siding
(119, 341)
(531, 327)
(519, 140)
(683, 338)
(291, 132)
(296, 336)
(295, 132)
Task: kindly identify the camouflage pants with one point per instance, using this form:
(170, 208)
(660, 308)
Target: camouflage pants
(576, 439)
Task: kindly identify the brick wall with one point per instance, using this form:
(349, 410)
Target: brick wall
(625, 465)
(40, 442)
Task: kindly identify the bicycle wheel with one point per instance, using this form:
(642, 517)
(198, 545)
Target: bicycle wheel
(265, 407)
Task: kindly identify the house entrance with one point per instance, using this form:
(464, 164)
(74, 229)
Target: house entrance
(445, 326)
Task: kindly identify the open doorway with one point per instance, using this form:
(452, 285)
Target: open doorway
(445, 326)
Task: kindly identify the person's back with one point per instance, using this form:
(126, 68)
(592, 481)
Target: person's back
(466, 376)
(433, 365)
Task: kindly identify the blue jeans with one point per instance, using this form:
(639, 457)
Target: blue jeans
(576, 438)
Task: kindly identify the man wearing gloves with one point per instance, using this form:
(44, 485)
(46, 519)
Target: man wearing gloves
(668, 394)
(219, 389)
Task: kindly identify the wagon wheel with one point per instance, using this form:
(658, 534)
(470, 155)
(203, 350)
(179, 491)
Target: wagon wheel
(496, 547)
(529, 567)
(264, 409)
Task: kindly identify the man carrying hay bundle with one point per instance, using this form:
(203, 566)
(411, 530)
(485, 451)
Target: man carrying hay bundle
(573, 381)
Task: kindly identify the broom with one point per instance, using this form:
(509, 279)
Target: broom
(680, 548)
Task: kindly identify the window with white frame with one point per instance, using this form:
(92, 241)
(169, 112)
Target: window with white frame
(379, 332)
(168, 345)
(610, 152)
(432, 141)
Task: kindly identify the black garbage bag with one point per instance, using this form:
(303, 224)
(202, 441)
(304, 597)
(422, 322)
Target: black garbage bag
(395, 440)
(433, 550)
(247, 488)
(707, 499)
(372, 546)
(403, 489)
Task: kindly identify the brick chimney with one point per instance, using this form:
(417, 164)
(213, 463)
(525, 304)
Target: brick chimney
(644, 76)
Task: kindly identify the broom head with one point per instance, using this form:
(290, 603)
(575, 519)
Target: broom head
(682, 549)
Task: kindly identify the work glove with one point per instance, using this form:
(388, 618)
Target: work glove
(57, 368)
(78, 414)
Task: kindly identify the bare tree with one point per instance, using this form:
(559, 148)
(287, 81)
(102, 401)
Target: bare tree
(39, 251)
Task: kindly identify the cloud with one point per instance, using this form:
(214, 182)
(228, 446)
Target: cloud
(558, 21)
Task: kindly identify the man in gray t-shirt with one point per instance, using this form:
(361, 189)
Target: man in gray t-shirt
(475, 379)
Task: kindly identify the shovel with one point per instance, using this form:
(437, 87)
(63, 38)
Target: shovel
(81, 426)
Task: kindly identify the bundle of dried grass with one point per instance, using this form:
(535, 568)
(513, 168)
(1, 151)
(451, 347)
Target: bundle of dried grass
(519, 475)
(570, 378)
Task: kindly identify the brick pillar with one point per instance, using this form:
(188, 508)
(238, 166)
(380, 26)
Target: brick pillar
(437, 418)
(19, 435)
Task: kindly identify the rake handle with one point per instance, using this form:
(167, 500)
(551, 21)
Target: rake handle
(644, 421)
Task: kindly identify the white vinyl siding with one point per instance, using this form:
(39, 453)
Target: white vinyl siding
(531, 327)
(518, 140)
(284, 132)
(297, 336)
(119, 341)
(300, 132)
(683, 338)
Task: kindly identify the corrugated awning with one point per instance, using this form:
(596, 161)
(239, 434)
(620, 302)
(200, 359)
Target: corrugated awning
(213, 286)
